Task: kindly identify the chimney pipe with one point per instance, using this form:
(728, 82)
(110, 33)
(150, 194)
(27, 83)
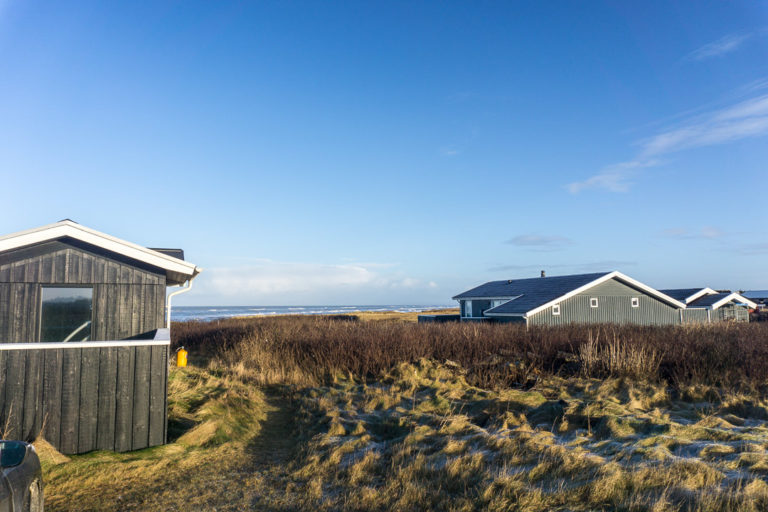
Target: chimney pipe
(543, 274)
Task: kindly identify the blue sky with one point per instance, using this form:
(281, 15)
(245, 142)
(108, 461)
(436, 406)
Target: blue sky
(395, 152)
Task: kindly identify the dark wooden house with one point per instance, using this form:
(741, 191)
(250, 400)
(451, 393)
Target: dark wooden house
(84, 338)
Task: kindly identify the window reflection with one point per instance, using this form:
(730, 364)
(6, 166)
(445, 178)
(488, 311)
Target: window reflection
(66, 314)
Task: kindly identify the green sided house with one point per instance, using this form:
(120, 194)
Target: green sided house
(604, 297)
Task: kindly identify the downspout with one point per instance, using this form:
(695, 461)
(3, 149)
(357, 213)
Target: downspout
(184, 289)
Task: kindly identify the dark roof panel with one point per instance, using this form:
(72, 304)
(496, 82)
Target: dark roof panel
(707, 300)
(529, 293)
(755, 294)
(681, 293)
(173, 253)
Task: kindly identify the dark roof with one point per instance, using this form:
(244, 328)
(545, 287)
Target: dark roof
(755, 294)
(530, 293)
(173, 253)
(681, 293)
(707, 300)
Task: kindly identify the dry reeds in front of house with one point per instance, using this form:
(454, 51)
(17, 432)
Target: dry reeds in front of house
(306, 350)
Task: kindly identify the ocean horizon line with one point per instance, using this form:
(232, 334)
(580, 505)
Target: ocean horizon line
(205, 313)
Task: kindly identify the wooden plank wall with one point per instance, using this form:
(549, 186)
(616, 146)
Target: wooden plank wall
(85, 399)
(127, 300)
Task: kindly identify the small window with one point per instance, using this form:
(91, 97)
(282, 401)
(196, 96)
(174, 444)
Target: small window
(65, 314)
(635, 302)
(593, 302)
(468, 308)
(556, 310)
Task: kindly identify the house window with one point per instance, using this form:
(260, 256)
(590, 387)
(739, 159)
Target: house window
(468, 308)
(556, 310)
(498, 302)
(593, 302)
(65, 314)
(635, 302)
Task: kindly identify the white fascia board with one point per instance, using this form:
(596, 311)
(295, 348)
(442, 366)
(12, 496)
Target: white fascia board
(615, 274)
(700, 293)
(107, 242)
(733, 296)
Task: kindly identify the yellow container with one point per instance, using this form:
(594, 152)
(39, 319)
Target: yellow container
(181, 358)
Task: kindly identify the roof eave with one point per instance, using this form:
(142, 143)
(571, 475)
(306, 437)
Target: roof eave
(173, 266)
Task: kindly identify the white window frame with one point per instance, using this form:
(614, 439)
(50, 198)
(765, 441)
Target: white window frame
(635, 302)
(593, 302)
(556, 310)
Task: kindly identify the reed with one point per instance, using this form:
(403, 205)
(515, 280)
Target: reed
(308, 350)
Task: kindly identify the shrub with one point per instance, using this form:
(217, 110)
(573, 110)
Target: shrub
(312, 349)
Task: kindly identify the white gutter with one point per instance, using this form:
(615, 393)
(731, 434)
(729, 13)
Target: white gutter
(184, 289)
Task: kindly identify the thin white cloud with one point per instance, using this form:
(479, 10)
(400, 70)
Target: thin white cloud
(274, 282)
(704, 233)
(753, 249)
(742, 120)
(449, 151)
(755, 85)
(540, 242)
(614, 178)
(722, 46)
(593, 266)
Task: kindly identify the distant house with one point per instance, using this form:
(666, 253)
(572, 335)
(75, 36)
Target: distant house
(706, 305)
(604, 297)
(84, 337)
(760, 297)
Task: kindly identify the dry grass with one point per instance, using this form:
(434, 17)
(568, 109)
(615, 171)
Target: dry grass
(305, 350)
(217, 415)
(321, 414)
(423, 438)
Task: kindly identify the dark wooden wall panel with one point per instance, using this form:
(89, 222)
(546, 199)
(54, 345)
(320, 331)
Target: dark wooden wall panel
(141, 397)
(124, 406)
(52, 396)
(70, 401)
(89, 400)
(85, 399)
(14, 395)
(128, 300)
(107, 399)
(31, 419)
(157, 396)
(3, 385)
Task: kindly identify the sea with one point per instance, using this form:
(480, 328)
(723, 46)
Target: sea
(206, 313)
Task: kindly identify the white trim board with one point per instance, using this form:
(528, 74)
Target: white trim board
(700, 293)
(180, 270)
(732, 296)
(59, 345)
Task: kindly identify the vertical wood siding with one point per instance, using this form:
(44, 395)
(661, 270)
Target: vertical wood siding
(695, 316)
(83, 399)
(614, 306)
(127, 300)
(81, 405)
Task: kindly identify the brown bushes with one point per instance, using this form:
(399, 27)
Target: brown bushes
(309, 349)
